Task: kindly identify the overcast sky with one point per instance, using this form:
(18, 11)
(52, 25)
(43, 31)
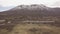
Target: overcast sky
(18, 2)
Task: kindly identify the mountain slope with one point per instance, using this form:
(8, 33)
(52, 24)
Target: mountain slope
(37, 10)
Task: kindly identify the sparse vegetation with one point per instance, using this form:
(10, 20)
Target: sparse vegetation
(11, 21)
(35, 29)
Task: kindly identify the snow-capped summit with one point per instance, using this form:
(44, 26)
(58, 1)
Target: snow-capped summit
(32, 7)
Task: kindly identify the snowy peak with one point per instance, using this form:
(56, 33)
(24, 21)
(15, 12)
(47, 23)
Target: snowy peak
(32, 7)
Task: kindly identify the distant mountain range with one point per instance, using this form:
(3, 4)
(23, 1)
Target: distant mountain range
(33, 10)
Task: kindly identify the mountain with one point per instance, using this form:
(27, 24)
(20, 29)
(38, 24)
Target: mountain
(31, 7)
(33, 10)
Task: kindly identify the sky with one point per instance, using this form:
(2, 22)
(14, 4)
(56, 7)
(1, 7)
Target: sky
(18, 2)
(8, 3)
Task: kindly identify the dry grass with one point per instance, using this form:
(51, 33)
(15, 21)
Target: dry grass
(35, 29)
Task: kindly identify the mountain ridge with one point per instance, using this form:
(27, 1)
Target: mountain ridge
(37, 10)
